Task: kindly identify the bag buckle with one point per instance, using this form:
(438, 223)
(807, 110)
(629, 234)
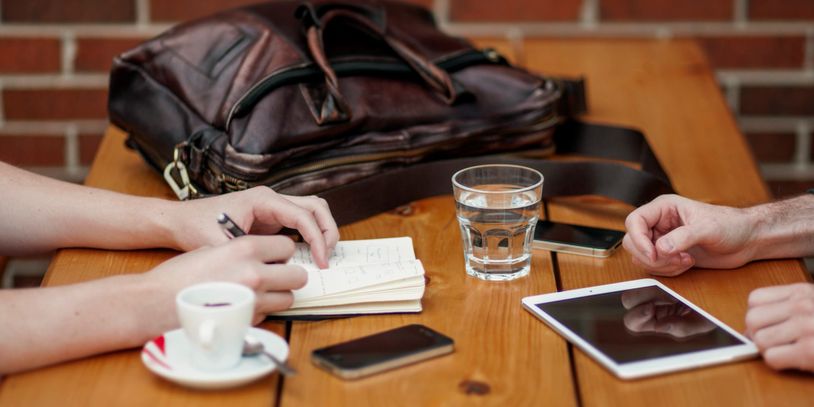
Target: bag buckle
(185, 190)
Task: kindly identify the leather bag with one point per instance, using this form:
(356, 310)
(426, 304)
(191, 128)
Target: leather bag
(365, 103)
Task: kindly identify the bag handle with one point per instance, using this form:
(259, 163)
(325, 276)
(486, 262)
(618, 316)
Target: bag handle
(334, 108)
(562, 178)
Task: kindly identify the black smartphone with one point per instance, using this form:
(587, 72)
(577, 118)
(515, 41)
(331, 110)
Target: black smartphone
(382, 351)
(575, 239)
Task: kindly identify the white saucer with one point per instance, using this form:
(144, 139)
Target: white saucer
(168, 356)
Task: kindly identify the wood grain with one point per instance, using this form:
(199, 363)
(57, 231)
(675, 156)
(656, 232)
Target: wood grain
(672, 96)
(498, 344)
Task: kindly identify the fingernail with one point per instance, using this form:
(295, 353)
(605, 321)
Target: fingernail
(666, 245)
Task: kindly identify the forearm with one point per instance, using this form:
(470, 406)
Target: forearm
(51, 325)
(783, 229)
(40, 214)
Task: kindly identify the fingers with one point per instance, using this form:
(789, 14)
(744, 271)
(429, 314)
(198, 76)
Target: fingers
(679, 240)
(264, 249)
(767, 315)
(639, 235)
(768, 295)
(322, 213)
(665, 266)
(274, 301)
(277, 277)
(799, 355)
(784, 333)
(296, 217)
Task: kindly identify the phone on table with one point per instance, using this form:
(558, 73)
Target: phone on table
(382, 351)
(575, 239)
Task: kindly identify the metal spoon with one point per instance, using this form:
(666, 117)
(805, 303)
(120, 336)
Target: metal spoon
(252, 346)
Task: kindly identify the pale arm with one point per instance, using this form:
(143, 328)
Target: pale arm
(42, 326)
(40, 214)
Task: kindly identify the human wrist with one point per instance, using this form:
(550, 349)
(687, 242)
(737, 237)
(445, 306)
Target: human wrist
(782, 229)
(153, 305)
(165, 220)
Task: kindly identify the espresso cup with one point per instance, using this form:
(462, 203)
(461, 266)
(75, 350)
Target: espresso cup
(215, 318)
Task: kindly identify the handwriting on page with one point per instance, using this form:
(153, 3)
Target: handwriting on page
(325, 282)
(359, 252)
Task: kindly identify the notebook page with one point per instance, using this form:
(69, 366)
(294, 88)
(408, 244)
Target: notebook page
(359, 252)
(342, 279)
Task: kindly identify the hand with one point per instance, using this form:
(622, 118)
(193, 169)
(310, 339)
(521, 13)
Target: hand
(671, 234)
(247, 260)
(780, 321)
(257, 211)
(651, 310)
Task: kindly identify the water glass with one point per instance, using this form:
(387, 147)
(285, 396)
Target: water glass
(497, 208)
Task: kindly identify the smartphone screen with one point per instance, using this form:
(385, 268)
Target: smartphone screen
(576, 239)
(382, 351)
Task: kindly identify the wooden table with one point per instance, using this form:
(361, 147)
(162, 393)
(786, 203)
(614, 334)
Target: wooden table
(504, 356)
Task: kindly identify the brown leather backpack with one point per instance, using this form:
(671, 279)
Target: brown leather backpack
(366, 103)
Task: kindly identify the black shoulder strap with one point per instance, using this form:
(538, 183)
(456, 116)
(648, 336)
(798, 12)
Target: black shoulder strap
(387, 190)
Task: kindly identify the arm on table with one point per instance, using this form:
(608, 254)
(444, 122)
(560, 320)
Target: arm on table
(40, 214)
(671, 234)
(42, 326)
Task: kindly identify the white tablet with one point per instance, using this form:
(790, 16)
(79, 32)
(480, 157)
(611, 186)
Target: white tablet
(640, 328)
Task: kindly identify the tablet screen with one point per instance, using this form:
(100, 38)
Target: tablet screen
(637, 324)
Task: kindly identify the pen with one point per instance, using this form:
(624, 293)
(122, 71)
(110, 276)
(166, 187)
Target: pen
(230, 228)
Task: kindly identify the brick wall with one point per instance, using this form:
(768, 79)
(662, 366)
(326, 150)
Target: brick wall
(54, 55)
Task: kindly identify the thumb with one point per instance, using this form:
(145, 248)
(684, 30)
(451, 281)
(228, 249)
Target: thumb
(679, 240)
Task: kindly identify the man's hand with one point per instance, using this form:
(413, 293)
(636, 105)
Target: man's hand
(780, 321)
(257, 211)
(257, 262)
(671, 234)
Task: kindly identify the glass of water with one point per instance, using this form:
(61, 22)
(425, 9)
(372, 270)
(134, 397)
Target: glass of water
(497, 207)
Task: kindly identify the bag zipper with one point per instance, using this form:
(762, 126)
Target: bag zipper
(232, 181)
(309, 72)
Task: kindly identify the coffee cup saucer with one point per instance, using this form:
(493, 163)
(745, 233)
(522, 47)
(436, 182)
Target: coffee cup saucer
(168, 356)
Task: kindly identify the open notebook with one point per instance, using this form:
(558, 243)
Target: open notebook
(364, 277)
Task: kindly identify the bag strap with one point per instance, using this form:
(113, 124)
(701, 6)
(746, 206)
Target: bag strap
(385, 191)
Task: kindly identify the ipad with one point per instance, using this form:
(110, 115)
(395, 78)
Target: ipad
(640, 328)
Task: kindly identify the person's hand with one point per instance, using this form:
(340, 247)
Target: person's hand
(254, 261)
(671, 234)
(257, 211)
(780, 321)
(651, 310)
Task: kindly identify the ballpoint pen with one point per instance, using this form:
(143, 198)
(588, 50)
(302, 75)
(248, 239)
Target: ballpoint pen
(230, 228)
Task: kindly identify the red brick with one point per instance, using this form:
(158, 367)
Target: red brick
(55, 104)
(772, 147)
(665, 10)
(73, 11)
(785, 189)
(514, 10)
(96, 54)
(32, 150)
(754, 51)
(781, 9)
(30, 55)
(182, 10)
(88, 145)
(777, 100)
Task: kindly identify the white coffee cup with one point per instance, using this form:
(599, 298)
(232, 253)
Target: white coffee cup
(215, 318)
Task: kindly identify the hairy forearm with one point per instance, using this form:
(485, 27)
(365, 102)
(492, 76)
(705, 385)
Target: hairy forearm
(40, 214)
(50, 325)
(783, 229)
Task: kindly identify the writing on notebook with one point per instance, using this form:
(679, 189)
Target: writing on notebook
(359, 252)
